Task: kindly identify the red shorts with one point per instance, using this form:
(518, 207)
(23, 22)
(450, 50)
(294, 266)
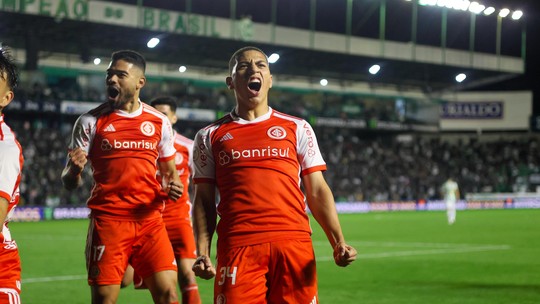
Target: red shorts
(10, 275)
(275, 272)
(111, 245)
(181, 236)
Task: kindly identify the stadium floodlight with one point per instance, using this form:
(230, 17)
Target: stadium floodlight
(517, 15)
(374, 69)
(460, 77)
(273, 58)
(97, 61)
(488, 11)
(152, 43)
(323, 82)
(476, 8)
(504, 12)
(182, 69)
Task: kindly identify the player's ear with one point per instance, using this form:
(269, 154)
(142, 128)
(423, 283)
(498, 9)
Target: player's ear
(141, 83)
(6, 98)
(229, 82)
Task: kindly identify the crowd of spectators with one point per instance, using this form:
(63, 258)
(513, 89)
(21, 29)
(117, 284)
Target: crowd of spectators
(363, 165)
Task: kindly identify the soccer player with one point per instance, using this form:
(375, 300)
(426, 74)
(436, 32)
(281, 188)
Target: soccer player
(258, 158)
(11, 163)
(177, 214)
(126, 142)
(450, 191)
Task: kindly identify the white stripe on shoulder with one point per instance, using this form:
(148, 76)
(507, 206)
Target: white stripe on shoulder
(287, 117)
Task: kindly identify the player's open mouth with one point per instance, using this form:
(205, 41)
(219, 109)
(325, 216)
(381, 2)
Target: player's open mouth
(112, 92)
(254, 85)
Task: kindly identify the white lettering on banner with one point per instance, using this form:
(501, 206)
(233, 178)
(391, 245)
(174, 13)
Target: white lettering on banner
(484, 110)
(58, 9)
(128, 15)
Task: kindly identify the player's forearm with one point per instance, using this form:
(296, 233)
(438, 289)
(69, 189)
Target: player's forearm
(71, 178)
(4, 203)
(327, 218)
(204, 225)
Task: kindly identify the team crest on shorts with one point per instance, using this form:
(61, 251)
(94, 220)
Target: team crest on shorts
(221, 299)
(94, 272)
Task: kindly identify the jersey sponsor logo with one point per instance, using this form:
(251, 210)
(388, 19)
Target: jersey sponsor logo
(311, 141)
(106, 145)
(109, 128)
(276, 132)
(225, 137)
(225, 158)
(148, 128)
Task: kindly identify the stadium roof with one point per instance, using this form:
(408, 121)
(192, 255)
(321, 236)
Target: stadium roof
(90, 39)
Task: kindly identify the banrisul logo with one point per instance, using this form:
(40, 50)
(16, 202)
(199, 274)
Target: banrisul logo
(255, 154)
(276, 132)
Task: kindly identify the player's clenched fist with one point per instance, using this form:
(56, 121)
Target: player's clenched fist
(174, 190)
(344, 254)
(77, 158)
(203, 268)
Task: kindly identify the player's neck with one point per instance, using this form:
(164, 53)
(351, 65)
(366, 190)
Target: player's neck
(131, 106)
(251, 113)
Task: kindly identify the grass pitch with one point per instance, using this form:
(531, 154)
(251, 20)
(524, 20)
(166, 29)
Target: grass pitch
(487, 256)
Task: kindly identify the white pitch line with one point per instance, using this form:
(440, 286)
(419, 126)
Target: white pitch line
(422, 252)
(54, 279)
(408, 244)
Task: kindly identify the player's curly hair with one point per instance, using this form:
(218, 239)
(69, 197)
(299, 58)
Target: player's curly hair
(8, 69)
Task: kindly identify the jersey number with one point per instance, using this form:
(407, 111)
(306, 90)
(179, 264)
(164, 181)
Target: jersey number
(225, 272)
(97, 253)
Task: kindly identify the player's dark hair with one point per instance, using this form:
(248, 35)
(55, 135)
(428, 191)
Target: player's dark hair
(238, 53)
(8, 69)
(164, 100)
(130, 56)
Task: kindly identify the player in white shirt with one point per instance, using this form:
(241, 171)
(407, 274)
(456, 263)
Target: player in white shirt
(450, 191)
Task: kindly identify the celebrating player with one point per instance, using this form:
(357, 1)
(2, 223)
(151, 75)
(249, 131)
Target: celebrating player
(126, 142)
(258, 158)
(11, 163)
(177, 214)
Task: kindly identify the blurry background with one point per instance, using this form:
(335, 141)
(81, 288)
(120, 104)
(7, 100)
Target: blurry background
(402, 94)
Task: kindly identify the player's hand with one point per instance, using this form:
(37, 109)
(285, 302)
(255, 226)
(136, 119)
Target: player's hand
(175, 190)
(344, 254)
(77, 159)
(203, 268)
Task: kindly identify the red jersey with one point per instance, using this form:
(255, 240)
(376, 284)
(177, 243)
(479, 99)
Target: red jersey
(257, 167)
(123, 149)
(11, 163)
(184, 163)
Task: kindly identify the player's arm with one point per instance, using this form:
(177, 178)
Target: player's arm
(321, 203)
(4, 204)
(204, 225)
(71, 175)
(171, 182)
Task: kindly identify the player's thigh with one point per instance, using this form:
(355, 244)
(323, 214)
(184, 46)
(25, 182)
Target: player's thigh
(241, 274)
(293, 273)
(180, 234)
(108, 247)
(152, 251)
